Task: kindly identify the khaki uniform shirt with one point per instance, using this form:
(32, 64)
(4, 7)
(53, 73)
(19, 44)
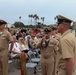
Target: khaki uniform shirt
(67, 48)
(5, 38)
(49, 50)
(37, 40)
(57, 36)
(33, 41)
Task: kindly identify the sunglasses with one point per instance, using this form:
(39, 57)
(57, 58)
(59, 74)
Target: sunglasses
(59, 23)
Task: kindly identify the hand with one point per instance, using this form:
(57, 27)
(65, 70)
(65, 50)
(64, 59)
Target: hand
(9, 54)
(44, 37)
(0, 58)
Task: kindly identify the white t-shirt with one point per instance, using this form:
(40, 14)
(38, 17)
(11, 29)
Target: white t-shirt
(16, 48)
(22, 47)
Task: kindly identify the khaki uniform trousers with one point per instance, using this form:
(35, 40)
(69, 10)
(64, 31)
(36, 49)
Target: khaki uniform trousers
(4, 62)
(57, 57)
(47, 66)
(63, 72)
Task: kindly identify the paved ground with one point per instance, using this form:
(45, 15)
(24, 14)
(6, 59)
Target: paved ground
(17, 72)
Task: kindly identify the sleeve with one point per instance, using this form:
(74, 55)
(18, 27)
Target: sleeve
(67, 49)
(13, 49)
(10, 38)
(55, 41)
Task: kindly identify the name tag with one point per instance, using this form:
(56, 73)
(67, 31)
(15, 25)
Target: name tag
(51, 43)
(3, 36)
(1, 33)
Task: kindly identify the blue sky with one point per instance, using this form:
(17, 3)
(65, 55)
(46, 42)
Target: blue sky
(10, 10)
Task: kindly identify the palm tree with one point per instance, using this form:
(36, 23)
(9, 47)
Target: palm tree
(30, 16)
(19, 19)
(29, 20)
(36, 17)
(42, 18)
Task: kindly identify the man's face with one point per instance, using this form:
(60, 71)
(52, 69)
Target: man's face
(2, 27)
(46, 36)
(53, 32)
(60, 27)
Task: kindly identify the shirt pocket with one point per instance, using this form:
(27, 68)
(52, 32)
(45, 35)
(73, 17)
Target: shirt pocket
(3, 37)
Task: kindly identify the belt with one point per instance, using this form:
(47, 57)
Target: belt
(60, 70)
(64, 71)
(1, 50)
(46, 57)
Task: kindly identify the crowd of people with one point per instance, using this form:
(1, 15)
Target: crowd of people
(57, 47)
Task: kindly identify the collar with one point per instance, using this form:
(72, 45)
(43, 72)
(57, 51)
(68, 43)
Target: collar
(65, 33)
(1, 32)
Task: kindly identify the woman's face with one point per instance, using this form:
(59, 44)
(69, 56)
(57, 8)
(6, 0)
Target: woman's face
(22, 40)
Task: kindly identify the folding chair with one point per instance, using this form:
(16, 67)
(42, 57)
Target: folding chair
(32, 57)
(38, 52)
(10, 66)
(16, 61)
(31, 68)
